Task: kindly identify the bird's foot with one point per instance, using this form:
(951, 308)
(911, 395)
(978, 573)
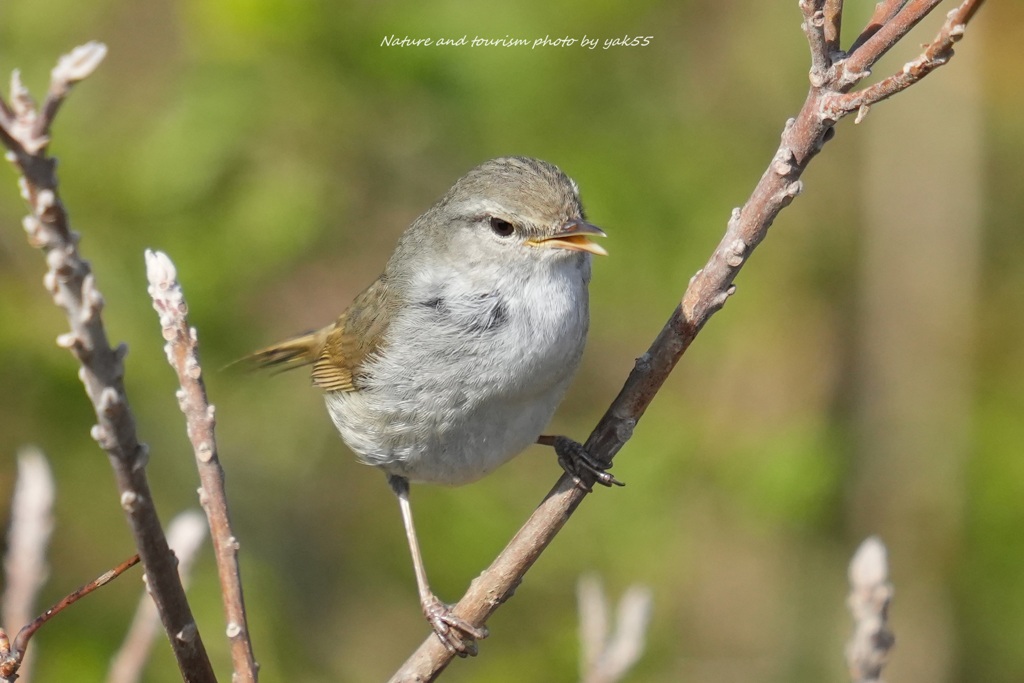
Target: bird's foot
(458, 635)
(579, 464)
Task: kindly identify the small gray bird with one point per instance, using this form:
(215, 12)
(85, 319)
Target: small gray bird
(455, 359)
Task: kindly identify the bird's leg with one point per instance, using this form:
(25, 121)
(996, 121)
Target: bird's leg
(452, 630)
(577, 463)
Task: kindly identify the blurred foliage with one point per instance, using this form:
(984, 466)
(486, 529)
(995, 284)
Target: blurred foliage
(275, 149)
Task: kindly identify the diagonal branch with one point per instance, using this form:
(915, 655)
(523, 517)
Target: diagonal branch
(70, 281)
(71, 68)
(185, 534)
(936, 54)
(26, 633)
(865, 54)
(12, 653)
(708, 290)
(183, 354)
(883, 14)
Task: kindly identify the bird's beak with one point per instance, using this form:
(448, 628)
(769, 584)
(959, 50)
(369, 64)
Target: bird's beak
(573, 235)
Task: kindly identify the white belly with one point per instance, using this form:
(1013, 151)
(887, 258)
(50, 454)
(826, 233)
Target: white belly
(483, 379)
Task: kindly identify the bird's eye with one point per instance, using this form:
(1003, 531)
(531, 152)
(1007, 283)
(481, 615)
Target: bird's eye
(501, 228)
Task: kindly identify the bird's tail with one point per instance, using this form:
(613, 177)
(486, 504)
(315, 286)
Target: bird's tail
(289, 354)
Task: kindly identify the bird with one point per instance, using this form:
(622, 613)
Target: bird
(454, 359)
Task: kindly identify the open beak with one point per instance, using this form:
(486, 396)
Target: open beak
(573, 235)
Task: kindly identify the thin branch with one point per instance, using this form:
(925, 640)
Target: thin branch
(936, 54)
(11, 654)
(867, 651)
(883, 14)
(26, 633)
(185, 535)
(814, 28)
(71, 68)
(25, 565)
(73, 287)
(31, 525)
(860, 60)
(6, 114)
(19, 118)
(592, 607)
(708, 290)
(606, 654)
(833, 26)
(183, 354)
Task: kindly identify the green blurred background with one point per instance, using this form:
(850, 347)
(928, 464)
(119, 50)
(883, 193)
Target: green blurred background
(867, 378)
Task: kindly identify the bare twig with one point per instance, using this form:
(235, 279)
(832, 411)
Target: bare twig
(606, 656)
(183, 354)
(883, 14)
(71, 282)
(833, 25)
(814, 28)
(896, 21)
(802, 138)
(11, 654)
(71, 68)
(25, 565)
(864, 55)
(185, 535)
(870, 594)
(936, 54)
(31, 524)
(26, 633)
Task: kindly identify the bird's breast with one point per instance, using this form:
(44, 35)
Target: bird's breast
(467, 377)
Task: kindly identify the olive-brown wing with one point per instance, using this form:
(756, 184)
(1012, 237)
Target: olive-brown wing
(356, 336)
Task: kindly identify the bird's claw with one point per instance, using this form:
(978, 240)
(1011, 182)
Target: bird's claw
(458, 635)
(577, 463)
